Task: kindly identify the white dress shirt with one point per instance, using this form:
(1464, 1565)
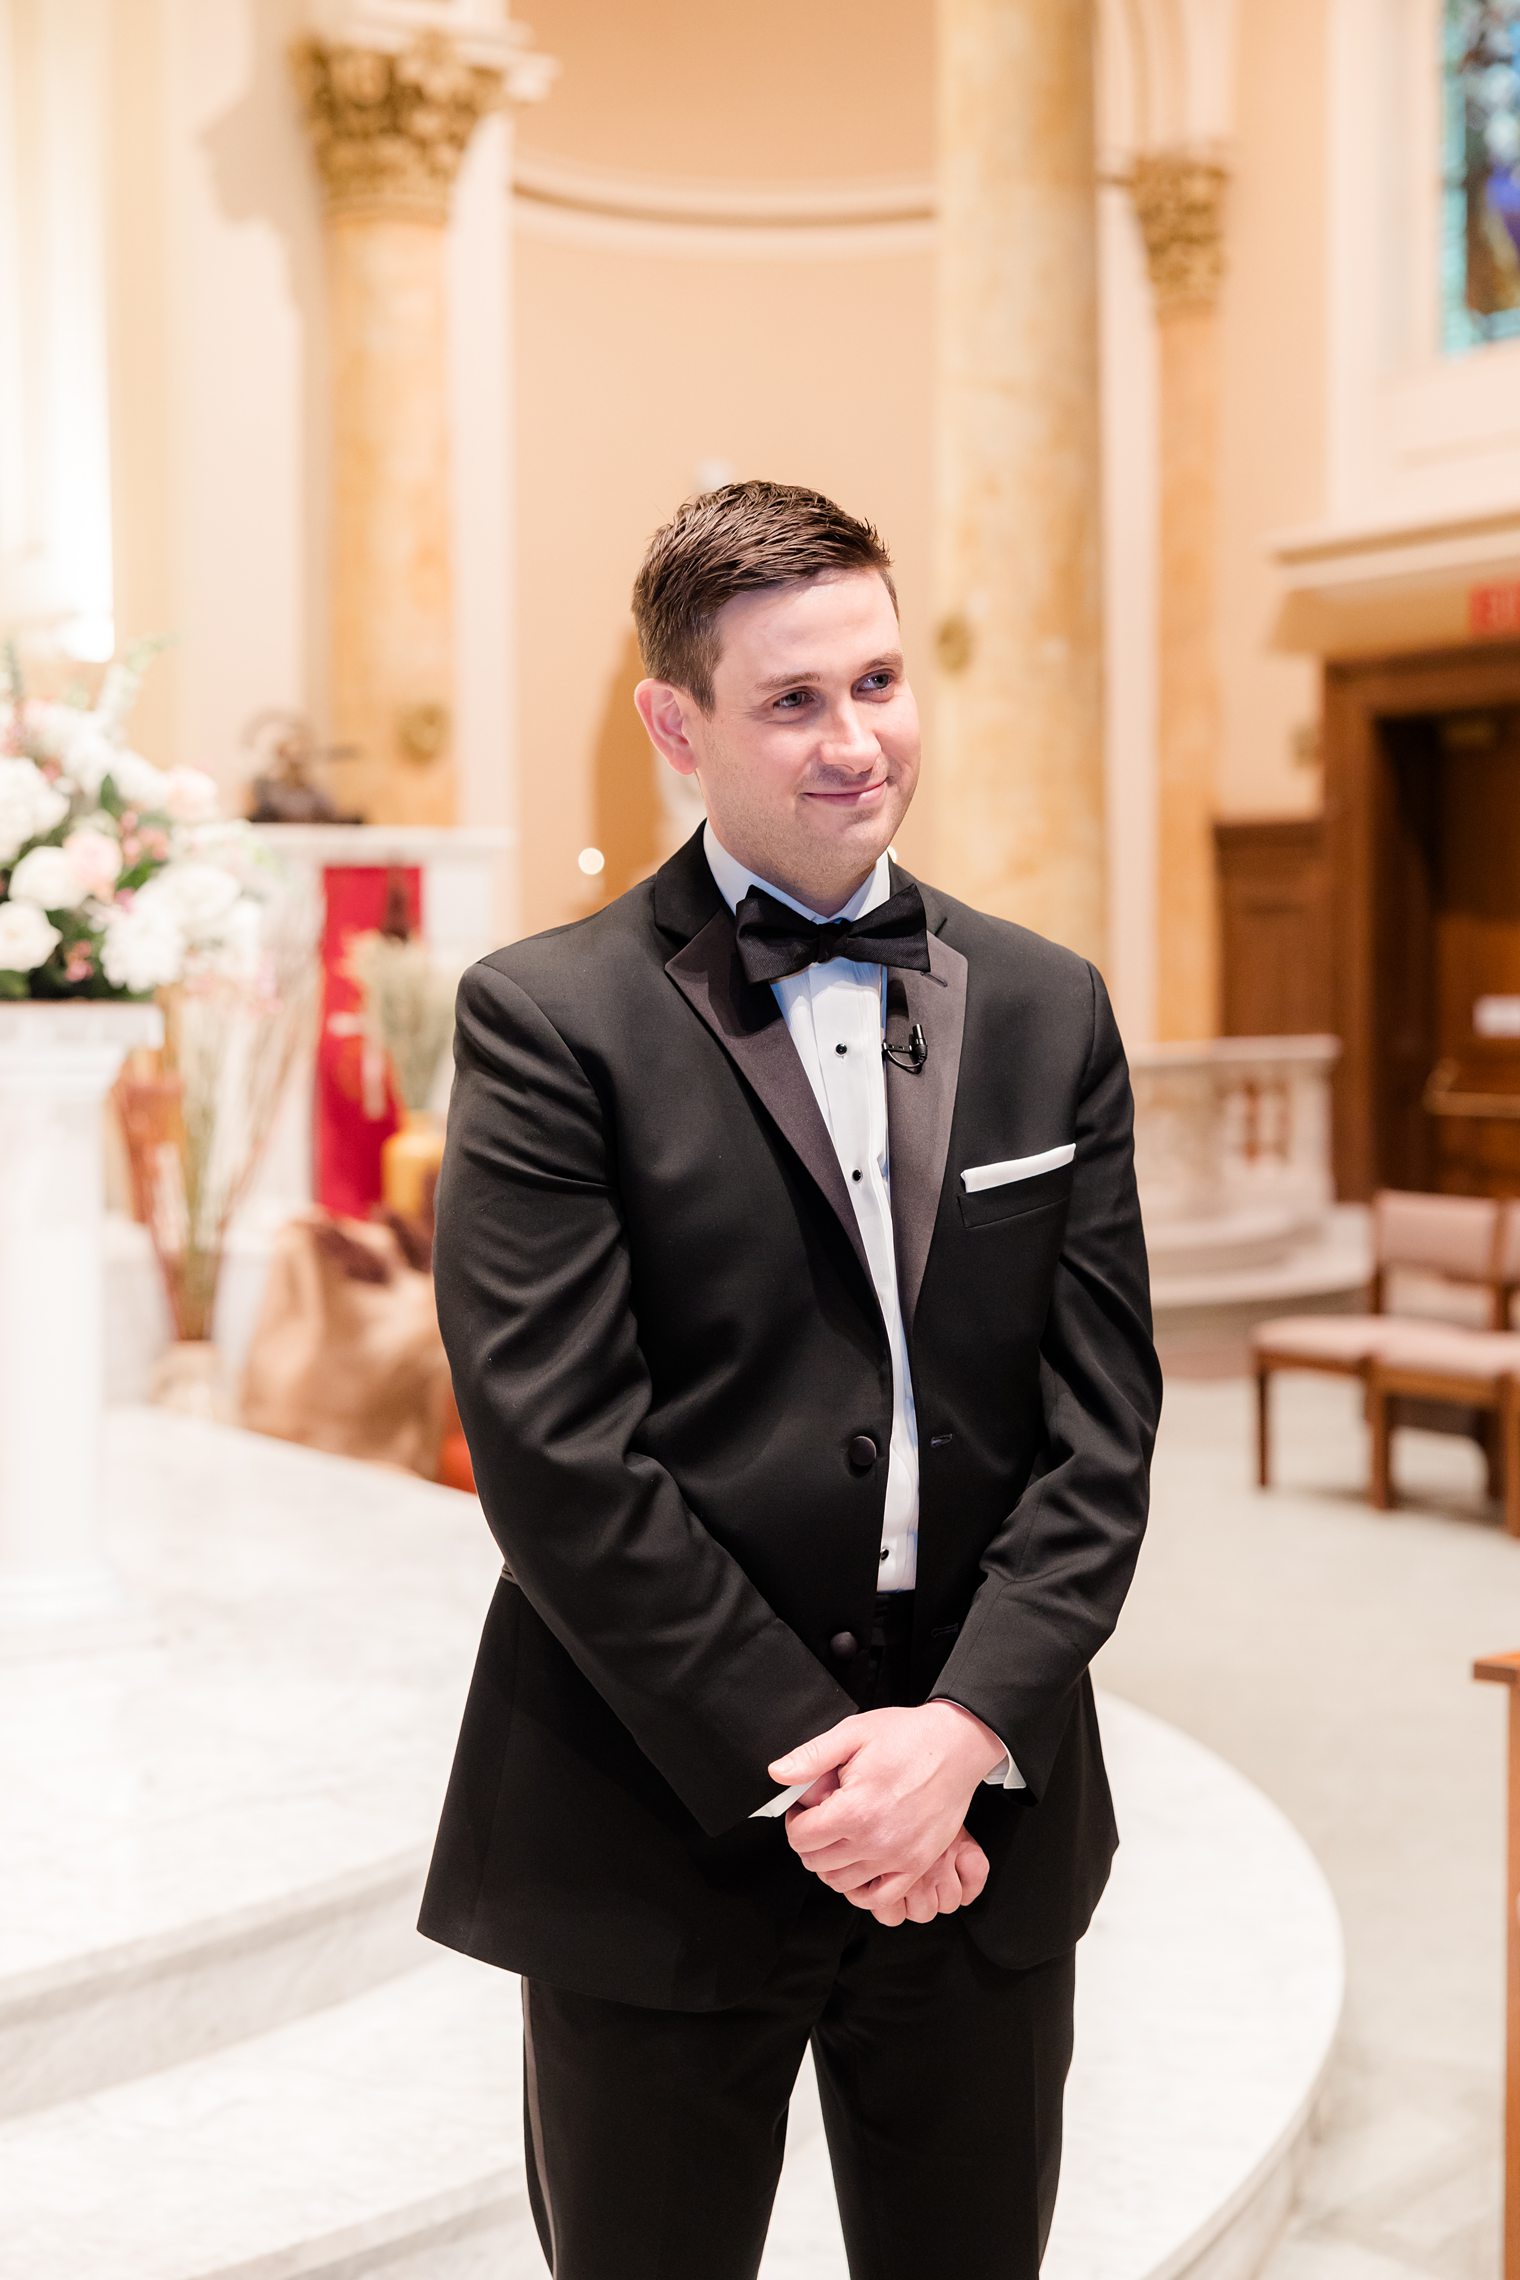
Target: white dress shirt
(834, 1012)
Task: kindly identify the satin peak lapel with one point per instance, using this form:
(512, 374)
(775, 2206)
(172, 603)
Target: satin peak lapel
(748, 1024)
(919, 1113)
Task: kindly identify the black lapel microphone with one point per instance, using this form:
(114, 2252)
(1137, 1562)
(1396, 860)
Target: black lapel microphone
(915, 1052)
(910, 1056)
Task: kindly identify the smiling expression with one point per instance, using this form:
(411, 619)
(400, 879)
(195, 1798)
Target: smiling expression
(809, 756)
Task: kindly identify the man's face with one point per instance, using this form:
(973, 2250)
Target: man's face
(810, 754)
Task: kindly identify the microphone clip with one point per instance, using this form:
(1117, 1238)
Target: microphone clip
(911, 1056)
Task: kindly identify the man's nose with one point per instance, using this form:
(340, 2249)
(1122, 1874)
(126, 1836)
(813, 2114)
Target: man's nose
(849, 744)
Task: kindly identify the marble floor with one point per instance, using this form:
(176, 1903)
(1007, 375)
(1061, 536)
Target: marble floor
(1326, 1651)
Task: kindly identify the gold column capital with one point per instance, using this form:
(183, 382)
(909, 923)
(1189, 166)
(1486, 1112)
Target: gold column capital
(1179, 203)
(390, 127)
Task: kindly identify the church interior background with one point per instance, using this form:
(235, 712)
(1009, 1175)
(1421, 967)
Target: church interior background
(350, 350)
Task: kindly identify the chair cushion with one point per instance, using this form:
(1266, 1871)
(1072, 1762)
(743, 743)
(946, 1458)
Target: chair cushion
(1436, 1347)
(1342, 1341)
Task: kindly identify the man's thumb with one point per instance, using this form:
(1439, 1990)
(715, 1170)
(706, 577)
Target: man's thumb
(820, 1755)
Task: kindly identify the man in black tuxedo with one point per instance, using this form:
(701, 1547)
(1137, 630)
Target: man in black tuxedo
(791, 1273)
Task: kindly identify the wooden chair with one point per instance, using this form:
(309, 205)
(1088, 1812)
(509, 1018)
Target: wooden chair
(1466, 1239)
(1474, 1370)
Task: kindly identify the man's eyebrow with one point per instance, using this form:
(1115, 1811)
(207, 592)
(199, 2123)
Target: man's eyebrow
(889, 657)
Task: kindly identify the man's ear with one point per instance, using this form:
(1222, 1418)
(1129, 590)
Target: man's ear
(663, 708)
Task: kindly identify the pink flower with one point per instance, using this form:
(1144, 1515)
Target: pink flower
(96, 857)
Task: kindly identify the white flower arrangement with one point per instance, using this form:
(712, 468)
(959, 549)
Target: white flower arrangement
(117, 878)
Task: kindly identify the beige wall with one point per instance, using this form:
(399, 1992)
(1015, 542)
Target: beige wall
(1274, 413)
(647, 350)
(635, 368)
(697, 90)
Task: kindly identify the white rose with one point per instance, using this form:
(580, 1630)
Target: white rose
(89, 759)
(190, 795)
(238, 950)
(196, 896)
(48, 878)
(138, 783)
(26, 937)
(231, 843)
(52, 728)
(29, 806)
(95, 855)
(142, 949)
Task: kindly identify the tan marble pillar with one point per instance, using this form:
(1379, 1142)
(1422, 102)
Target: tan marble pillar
(389, 130)
(1017, 769)
(1179, 199)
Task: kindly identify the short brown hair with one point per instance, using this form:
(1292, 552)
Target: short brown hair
(735, 540)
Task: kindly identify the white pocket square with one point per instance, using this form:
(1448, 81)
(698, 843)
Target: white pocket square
(1013, 1168)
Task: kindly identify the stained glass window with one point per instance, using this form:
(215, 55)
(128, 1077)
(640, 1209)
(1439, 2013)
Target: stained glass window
(1480, 249)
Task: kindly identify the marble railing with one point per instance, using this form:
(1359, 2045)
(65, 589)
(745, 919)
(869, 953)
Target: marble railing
(1232, 1145)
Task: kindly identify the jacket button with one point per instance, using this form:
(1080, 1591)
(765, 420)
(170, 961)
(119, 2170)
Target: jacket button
(862, 1453)
(844, 1646)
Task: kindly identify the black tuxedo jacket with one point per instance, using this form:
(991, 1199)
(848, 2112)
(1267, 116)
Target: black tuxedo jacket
(670, 1361)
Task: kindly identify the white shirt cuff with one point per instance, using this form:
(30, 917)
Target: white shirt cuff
(1006, 1775)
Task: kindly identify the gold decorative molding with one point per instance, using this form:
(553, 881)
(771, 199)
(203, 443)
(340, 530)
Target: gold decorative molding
(1179, 202)
(390, 128)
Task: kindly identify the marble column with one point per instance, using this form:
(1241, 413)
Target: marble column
(389, 130)
(1179, 200)
(1017, 765)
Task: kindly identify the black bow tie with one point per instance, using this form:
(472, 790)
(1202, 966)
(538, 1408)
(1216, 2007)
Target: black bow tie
(775, 940)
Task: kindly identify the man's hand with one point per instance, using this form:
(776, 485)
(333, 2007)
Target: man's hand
(904, 1780)
(953, 1881)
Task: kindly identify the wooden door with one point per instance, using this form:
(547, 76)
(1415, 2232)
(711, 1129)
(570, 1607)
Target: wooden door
(1476, 953)
(1423, 852)
(1274, 920)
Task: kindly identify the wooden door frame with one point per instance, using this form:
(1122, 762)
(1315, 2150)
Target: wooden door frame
(1359, 695)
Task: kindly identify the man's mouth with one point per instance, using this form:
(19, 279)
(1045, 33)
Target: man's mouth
(856, 795)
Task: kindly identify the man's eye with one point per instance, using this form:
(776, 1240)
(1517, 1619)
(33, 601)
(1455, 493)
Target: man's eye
(881, 680)
(793, 698)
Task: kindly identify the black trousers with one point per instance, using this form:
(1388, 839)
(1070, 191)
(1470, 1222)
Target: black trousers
(655, 2138)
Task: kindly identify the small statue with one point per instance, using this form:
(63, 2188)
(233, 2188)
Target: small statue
(285, 786)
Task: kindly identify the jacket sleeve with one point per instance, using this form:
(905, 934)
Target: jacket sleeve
(1056, 1572)
(534, 1294)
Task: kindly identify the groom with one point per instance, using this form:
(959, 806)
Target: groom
(791, 1274)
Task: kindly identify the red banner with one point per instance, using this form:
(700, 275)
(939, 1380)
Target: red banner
(1494, 610)
(355, 1110)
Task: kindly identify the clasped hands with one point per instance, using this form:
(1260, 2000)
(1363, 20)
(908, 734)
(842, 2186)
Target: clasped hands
(883, 1820)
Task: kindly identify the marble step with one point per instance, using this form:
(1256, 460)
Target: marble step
(116, 2012)
(218, 1802)
(381, 2135)
(237, 2060)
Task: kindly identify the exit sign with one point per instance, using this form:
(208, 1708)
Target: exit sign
(1494, 608)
